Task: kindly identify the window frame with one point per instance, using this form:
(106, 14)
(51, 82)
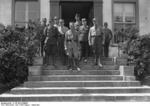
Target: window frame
(13, 11)
(136, 2)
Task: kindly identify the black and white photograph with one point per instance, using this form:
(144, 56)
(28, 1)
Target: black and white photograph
(74, 51)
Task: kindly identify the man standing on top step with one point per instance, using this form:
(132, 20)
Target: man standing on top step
(51, 43)
(43, 28)
(72, 47)
(83, 39)
(96, 41)
(107, 38)
(61, 38)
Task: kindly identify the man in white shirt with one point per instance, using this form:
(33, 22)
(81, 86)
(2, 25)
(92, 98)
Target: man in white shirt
(96, 41)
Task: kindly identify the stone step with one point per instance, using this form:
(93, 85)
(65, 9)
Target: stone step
(41, 84)
(74, 90)
(73, 77)
(83, 67)
(129, 78)
(110, 59)
(91, 62)
(37, 59)
(79, 77)
(130, 97)
(82, 72)
(106, 61)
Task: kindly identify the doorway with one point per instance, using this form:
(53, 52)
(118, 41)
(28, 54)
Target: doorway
(69, 9)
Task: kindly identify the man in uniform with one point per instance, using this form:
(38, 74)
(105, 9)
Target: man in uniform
(72, 47)
(96, 40)
(107, 38)
(77, 29)
(83, 39)
(43, 28)
(51, 43)
(62, 31)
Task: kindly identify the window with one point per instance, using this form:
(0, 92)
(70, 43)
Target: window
(124, 15)
(26, 10)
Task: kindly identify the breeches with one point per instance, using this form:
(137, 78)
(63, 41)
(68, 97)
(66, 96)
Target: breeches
(84, 49)
(106, 49)
(51, 49)
(61, 46)
(97, 46)
(73, 50)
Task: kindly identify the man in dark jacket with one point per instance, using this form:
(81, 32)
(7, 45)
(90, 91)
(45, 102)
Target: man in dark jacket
(51, 43)
(83, 38)
(107, 38)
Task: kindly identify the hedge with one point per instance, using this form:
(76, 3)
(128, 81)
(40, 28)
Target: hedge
(18, 47)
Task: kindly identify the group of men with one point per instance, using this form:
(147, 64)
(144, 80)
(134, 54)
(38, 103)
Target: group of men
(73, 43)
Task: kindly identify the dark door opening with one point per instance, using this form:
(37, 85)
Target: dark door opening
(69, 9)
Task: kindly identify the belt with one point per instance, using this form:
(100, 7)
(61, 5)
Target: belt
(96, 36)
(71, 40)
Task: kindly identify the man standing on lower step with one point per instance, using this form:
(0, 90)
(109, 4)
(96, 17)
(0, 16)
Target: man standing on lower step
(96, 41)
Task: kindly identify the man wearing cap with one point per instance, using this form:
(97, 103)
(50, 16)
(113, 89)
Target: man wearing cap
(83, 39)
(96, 41)
(107, 38)
(51, 43)
(62, 31)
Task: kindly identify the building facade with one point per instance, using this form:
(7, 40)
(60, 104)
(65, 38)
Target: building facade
(118, 13)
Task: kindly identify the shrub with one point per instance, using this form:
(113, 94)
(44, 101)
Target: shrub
(12, 67)
(13, 63)
(138, 50)
(17, 50)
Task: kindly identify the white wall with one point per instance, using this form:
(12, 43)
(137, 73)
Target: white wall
(5, 12)
(107, 12)
(144, 16)
(45, 9)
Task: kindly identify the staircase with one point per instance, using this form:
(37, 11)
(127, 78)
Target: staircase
(91, 84)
